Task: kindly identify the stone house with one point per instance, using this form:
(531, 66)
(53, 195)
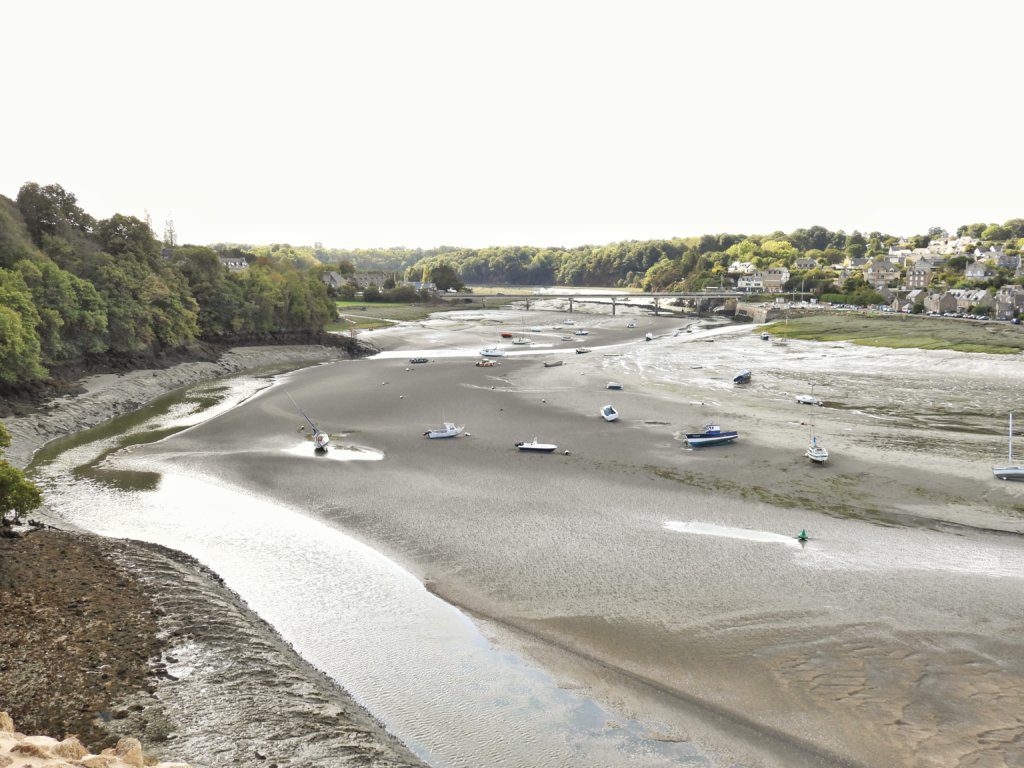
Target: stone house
(774, 278)
(333, 280)
(370, 277)
(919, 275)
(805, 263)
(880, 273)
(917, 296)
(967, 298)
(941, 303)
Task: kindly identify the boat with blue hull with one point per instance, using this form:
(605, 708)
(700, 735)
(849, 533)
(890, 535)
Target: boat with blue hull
(743, 377)
(712, 434)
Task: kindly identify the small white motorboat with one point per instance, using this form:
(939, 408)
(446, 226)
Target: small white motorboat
(535, 447)
(631, 325)
(581, 332)
(614, 385)
(743, 377)
(582, 350)
(608, 413)
(448, 430)
(648, 336)
(554, 363)
(493, 352)
(566, 338)
(568, 322)
(808, 400)
(765, 336)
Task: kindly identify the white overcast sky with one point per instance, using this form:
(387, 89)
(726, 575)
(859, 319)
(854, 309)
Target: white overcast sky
(420, 123)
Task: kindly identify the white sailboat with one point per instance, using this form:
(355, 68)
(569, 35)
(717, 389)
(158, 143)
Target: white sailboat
(1011, 471)
(320, 438)
(816, 453)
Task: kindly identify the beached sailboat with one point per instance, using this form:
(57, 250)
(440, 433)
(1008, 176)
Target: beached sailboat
(1011, 471)
(815, 452)
(608, 413)
(320, 438)
(808, 400)
(712, 434)
(535, 447)
(493, 352)
(446, 430)
(582, 350)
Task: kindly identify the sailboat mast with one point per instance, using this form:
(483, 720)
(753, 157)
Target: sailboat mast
(1009, 461)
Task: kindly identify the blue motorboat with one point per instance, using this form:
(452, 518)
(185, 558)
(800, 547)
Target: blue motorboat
(743, 377)
(712, 434)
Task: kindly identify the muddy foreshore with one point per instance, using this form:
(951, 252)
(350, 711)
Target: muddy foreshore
(111, 638)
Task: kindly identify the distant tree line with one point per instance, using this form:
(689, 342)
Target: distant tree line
(73, 287)
(690, 263)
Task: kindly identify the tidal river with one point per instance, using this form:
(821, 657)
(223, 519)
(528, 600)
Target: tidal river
(624, 601)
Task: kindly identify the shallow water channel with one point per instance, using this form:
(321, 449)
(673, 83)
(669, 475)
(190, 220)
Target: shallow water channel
(418, 664)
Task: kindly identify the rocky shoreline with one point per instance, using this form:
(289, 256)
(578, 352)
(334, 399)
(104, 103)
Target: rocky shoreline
(110, 639)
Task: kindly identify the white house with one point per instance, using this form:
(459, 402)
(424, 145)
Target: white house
(979, 270)
(742, 268)
(752, 282)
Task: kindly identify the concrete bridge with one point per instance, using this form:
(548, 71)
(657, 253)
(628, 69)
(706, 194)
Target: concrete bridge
(624, 299)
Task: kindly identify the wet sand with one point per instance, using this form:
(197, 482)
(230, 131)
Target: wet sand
(874, 645)
(94, 632)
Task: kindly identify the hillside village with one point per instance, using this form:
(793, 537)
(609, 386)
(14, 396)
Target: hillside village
(949, 275)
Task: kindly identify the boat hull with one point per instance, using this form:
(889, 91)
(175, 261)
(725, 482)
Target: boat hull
(1009, 473)
(701, 441)
(818, 456)
(536, 447)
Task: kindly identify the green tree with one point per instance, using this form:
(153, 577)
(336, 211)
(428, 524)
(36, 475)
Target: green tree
(20, 350)
(995, 232)
(17, 495)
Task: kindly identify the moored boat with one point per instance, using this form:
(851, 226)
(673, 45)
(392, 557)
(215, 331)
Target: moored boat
(808, 400)
(816, 453)
(581, 332)
(418, 360)
(493, 352)
(485, 363)
(765, 335)
(712, 434)
(522, 340)
(448, 429)
(535, 447)
(582, 350)
(506, 335)
(743, 377)
(553, 363)
(648, 336)
(608, 413)
(614, 385)
(1010, 471)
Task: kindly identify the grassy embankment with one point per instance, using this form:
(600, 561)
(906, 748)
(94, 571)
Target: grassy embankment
(902, 331)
